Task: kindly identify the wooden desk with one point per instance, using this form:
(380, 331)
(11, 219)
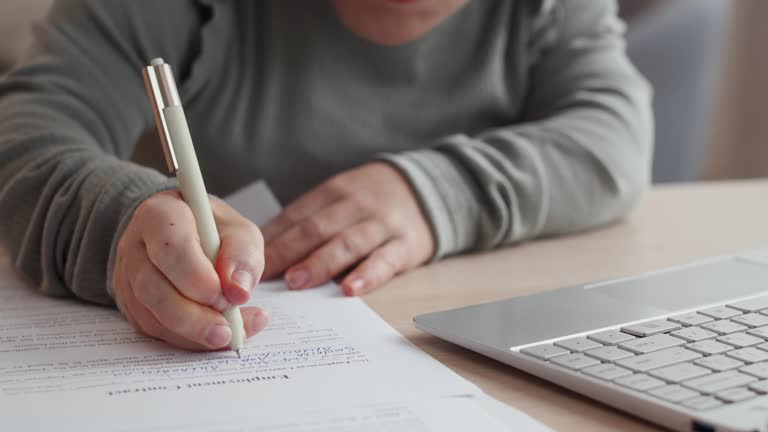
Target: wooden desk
(672, 225)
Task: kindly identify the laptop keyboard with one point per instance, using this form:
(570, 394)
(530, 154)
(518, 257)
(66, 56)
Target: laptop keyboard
(700, 360)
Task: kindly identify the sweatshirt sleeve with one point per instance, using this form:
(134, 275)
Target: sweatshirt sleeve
(579, 158)
(70, 115)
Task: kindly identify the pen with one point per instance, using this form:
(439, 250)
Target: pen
(182, 162)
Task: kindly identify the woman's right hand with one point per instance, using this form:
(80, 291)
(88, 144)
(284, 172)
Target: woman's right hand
(166, 286)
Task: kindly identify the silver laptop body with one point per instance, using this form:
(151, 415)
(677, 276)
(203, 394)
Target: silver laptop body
(686, 347)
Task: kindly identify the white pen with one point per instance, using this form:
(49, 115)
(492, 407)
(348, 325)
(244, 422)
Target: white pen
(182, 162)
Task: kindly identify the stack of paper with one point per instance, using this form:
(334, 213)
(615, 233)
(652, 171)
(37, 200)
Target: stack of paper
(325, 363)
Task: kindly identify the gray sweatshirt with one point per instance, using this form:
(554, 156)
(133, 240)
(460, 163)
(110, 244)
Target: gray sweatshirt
(512, 119)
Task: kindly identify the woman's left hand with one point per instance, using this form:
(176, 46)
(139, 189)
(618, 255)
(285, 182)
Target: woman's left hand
(366, 219)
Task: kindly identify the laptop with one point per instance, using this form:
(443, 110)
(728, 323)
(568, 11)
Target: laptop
(685, 347)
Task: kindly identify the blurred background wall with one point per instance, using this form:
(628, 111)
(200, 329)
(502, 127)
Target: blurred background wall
(16, 17)
(704, 58)
(678, 46)
(739, 140)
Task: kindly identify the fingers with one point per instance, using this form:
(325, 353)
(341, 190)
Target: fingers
(381, 266)
(146, 323)
(180, 258)
(339, 254)
(140, 318)
(254, 320)
(169, 233)
(178, 314)
(240, 262)
(166, 286)
(308, 234)
(308, 204)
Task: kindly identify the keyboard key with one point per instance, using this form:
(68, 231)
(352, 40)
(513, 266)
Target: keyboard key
(693, 334)
(724, 327)
(751, 305)
(640, 382)
(608, 353)
(691, 319)
(610, 337)
(709, 347)
(763, 346)
(650, 328)
(761, 332)
(655, 360)
(751, 320)
(736, 395)
(710, 384)
(651, 343)
(544, 352)
(574, 361)
(674, 393)
(739, 340)
(680, 372)
(759, 370)
(720, 312)
(760, 386)
(748, 355)
(577, 344)
(719, 363)
(607, 371)
(703, 403)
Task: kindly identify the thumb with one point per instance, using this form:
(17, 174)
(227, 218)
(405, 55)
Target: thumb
(240, 262)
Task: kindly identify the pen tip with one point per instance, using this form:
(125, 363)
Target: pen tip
(238, 353)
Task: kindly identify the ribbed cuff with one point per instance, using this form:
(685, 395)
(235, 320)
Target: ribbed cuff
(445, 192)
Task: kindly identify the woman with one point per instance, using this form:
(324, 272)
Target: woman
(401, 131)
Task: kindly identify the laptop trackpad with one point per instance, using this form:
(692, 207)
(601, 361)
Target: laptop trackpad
(690, 287)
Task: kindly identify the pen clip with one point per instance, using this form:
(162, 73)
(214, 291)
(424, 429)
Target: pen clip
(161, 88)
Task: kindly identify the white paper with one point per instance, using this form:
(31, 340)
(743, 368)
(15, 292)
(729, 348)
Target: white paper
(450, 414)
(316, 344)
(255, 202)
(323, 359)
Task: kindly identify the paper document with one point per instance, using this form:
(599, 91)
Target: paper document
(312, 344)
(324, 361)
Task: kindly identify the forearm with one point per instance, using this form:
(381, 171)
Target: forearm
(514, 185)
(61, 207)
(579, 157)
(69, 117)
(65, 188)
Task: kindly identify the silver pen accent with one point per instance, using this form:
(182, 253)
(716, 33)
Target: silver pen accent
(163, 93)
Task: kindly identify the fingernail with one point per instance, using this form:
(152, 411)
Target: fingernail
(297, 279)
(258, 322)
(221, 304)
(356, 285)
(218, 335)
(243, 279)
